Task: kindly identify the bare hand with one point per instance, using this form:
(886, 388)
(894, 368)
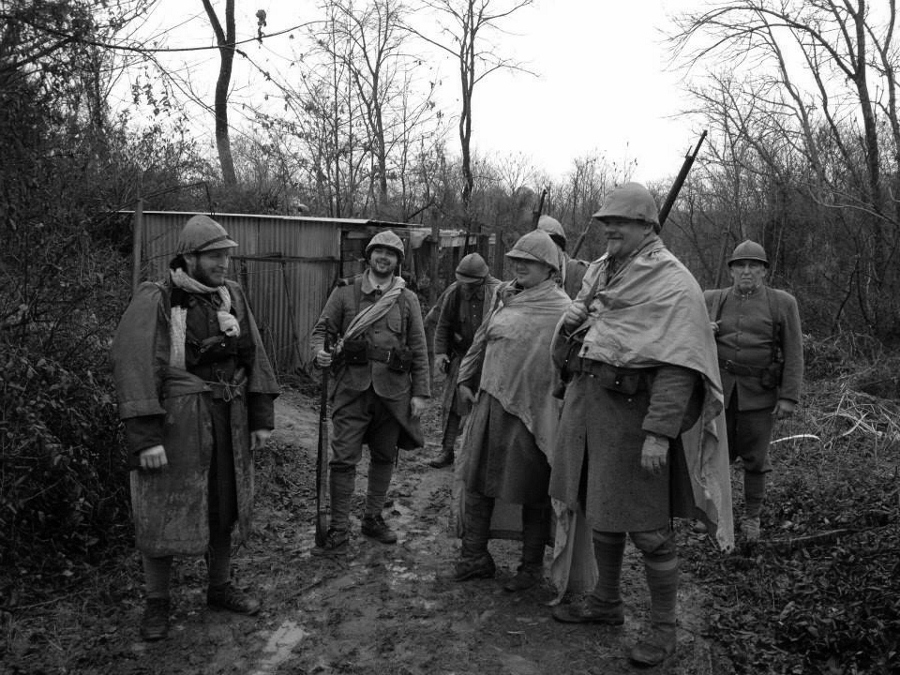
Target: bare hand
(654, 454)
(575, 315)
(259, 438)
(715, 327)
(417, 406)
(441, 363)
(465, 397)
(784, 408)
(153, 458)
(323, 358)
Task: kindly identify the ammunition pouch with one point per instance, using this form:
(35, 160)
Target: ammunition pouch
(625, 381)
(355, 353)
(400, 360)
(770, 377)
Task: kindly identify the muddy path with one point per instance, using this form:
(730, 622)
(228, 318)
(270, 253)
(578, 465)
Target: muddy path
(380, 611)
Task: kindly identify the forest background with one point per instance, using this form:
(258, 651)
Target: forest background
(799, 100)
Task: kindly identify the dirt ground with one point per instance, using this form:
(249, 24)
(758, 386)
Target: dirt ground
(381, 611)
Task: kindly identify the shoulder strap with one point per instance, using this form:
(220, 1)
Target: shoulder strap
(719, 303)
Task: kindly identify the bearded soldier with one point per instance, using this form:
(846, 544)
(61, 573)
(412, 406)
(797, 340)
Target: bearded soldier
(380, 365)
(196, 392)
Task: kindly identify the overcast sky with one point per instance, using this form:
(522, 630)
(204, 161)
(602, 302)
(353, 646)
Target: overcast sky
(603, 85)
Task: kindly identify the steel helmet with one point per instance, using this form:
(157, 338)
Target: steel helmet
(554, 228)
(632, 201)
(202, 233)
(536, 245)
(386, 239)
(471, 268)
(749, 250)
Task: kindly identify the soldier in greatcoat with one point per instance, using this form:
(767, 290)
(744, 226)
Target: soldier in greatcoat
(644, 373)
(463, 306)
(195, 391)
(760, 351)
(381, 385)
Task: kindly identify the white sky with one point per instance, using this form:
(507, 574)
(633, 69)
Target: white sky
(603, 84)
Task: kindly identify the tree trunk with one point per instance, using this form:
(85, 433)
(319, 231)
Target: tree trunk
(225, 39)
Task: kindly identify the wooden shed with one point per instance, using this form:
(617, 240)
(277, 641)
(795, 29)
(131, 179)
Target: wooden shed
(289, 264)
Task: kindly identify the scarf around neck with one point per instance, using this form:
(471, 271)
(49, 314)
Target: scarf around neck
(228, 323)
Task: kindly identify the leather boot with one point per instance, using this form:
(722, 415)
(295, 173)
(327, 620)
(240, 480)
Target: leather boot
(535, 535)
(341, 484)
(475, 561)
(659, 643)
(451, 431)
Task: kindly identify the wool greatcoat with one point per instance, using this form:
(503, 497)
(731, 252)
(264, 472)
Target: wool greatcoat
(461, 312)
(193, 418)
(401, 329)
(647, 366)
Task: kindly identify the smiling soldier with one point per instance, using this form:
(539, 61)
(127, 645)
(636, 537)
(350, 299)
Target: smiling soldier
(644, 374)
(380, 366)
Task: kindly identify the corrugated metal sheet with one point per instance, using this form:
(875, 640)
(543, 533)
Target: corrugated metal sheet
(286, 264)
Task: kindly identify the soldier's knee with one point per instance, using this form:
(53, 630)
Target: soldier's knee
(655, 542)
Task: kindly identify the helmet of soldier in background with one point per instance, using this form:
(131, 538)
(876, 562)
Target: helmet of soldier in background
(537, 246)
(632, 201)
(202, 233)
(471, 268)
(749, 250)
(386, 239)
(554, 228)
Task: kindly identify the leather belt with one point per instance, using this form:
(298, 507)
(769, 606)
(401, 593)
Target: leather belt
(739, 369)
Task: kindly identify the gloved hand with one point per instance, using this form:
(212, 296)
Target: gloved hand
(465, 397)
(784, 408)
(323, 358)
(259, 438)
(655, 453)
(153, 458)
(417, 406)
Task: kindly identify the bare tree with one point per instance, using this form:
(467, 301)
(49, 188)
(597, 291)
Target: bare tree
(464, 30)
(225, 39)
(799, 89)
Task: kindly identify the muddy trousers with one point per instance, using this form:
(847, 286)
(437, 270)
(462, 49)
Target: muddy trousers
(158, 570)
(477, 529)
(660, 569)
(749, 435)
(342, 482)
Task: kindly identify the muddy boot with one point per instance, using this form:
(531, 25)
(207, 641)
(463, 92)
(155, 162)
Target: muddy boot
(232, 599)
(451, 431)
(604, 604)
(659, 643)
(155, 622)
(475, 561)
(373, 524)
(341, 483)
(535, 534)
(754, 494)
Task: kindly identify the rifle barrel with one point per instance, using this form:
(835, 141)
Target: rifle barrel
(679, 181)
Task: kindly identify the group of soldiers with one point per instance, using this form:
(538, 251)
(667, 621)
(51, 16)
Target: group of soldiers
(602, 398)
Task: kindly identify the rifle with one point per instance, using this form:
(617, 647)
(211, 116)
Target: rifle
(322, 459)
(670, 198)
(536, 212)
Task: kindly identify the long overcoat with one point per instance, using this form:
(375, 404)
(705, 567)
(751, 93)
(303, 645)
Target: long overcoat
(170, 506)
